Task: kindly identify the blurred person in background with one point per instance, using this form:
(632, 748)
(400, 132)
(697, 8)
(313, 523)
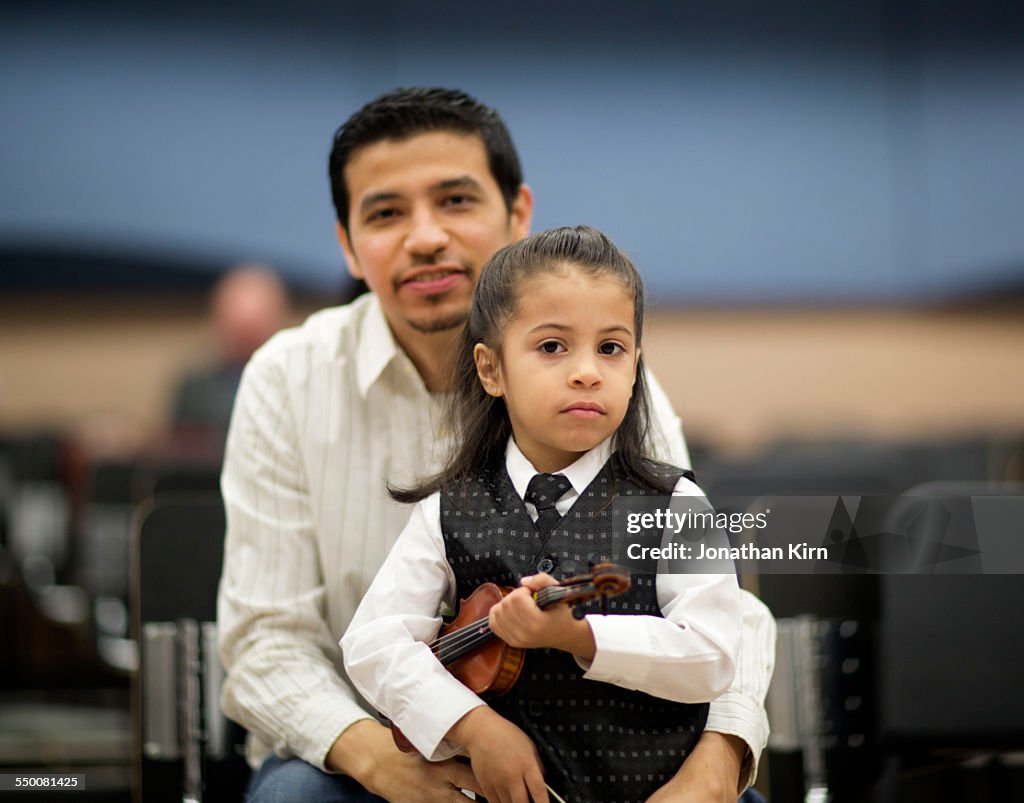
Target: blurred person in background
(247, 306)
(427, 185)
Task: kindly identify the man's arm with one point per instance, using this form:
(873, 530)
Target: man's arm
(708, 772)
(283, 664)
(738, 719)
(367, 752)
(284, 671)
(738, 714)
(737, 729)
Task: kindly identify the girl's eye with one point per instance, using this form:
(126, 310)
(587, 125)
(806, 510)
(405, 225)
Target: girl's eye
(551, 347)
(611, 349)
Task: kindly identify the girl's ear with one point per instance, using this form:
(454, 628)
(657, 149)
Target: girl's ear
(487, 369)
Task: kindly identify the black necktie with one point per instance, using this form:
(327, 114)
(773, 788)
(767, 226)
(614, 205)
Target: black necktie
(543, 491)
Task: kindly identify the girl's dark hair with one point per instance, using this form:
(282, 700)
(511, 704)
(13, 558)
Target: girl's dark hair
(479, 422)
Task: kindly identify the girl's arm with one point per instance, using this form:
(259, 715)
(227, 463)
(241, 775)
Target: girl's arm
(385, 650)
(689, 655)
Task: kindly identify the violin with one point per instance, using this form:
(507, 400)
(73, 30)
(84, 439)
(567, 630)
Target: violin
(487, 665)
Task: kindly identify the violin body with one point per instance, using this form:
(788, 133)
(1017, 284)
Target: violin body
(493, 668)
(484, 663)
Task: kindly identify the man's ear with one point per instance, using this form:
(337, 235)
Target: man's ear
(487, 369)
(521, 213)
(346, 248)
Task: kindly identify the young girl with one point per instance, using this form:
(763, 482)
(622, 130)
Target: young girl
(550, 382)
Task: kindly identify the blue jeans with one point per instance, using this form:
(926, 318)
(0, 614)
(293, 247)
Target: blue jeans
(294, 781)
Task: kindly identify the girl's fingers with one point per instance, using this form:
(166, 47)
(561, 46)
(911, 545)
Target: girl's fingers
(535, 582)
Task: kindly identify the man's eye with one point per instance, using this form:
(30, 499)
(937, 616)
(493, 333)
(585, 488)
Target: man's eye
(381, 214)
(611, 348)
(551, 347)
(457, 200)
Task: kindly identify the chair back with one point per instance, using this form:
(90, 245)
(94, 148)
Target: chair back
(184, 747)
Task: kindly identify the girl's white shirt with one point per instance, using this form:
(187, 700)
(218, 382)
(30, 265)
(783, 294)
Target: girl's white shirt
(687, 655)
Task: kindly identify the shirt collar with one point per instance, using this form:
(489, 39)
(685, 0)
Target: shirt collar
(377, 347)
(580, 474)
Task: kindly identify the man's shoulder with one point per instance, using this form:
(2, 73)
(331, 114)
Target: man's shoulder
(326, 334)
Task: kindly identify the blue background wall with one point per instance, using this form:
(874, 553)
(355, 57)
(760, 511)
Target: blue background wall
(742, 152)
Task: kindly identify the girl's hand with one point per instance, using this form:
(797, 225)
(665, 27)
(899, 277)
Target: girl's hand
(504, 760)
(518, 621)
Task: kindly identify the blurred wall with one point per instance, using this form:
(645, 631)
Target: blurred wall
(104, 366)
(742, 379)
(860, 156)
(740, 151)
(739, 379)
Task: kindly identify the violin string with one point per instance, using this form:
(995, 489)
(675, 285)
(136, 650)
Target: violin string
(473, 628)
(456, 634)
(470, 631)
(451, 651)
(453, 645)
(449, 654)
(469, 642)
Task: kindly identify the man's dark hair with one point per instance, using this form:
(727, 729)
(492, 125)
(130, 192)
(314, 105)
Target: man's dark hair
(406, 112)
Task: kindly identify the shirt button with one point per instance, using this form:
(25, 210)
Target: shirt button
(545, 565)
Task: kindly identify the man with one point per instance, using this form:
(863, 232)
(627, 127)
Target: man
(247, 306)
(426, 185)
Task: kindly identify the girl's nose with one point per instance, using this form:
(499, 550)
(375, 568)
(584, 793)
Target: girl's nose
(585, 373)
(426, 236)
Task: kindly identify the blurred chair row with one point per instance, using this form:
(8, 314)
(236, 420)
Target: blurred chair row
(68, 651)
(852, 649)
(895, 686)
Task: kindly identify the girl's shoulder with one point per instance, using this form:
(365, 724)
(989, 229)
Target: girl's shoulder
(652, 476)
(667, 469)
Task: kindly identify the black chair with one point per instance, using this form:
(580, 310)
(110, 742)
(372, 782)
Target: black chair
(184, 747)
(61, 709)
(886, 678)
(820, 698)
(950, 653)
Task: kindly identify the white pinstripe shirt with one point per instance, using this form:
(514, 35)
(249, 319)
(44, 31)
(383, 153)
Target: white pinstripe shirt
(325, 414)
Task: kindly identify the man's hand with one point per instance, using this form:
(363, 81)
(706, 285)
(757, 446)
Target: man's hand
(504, 759)
(367, 752)
(710, 774)
(518, 621)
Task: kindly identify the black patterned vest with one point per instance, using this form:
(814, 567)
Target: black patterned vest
(599, 742)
